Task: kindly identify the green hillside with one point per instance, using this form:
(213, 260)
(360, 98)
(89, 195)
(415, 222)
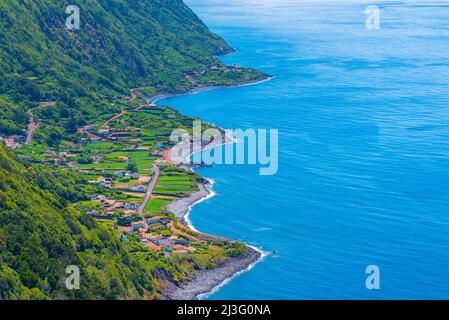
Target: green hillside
(39, 237)
(72, 78)
(41, 234)
(121, 44)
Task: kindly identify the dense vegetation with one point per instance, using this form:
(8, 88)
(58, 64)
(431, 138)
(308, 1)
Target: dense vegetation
(41, 234)
(68, 76)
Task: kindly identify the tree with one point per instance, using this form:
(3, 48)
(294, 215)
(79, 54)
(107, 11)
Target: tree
(132, 167)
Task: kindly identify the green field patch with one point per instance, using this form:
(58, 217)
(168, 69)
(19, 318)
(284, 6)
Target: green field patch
(103, 145)
(156, 205)
(103, 165)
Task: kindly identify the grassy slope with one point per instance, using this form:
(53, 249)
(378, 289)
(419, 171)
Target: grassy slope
(121, 44)
(41, 234)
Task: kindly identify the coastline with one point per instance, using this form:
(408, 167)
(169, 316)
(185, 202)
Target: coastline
(206, 282)
(153, 99)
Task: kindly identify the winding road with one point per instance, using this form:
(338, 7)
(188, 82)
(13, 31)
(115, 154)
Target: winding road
(149, 192)
(133, 97)
(106, 124)
(32, 126)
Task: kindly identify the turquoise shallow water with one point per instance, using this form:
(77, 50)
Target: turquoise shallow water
(364, 148)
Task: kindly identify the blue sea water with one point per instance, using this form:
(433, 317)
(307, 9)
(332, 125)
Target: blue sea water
(363, 119)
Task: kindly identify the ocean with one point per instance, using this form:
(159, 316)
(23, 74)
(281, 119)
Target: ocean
(363, 120)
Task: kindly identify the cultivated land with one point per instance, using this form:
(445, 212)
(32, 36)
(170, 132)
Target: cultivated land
(123, 160)
(120, 155)
(88, 153)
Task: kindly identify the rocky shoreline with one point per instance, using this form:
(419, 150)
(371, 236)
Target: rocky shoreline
(182, 207)
(153, 99)
(205, 281)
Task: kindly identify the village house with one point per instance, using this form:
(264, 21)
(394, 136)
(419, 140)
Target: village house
(119, 174)
(138, 188)
(164, 242)
(144, 179)
(109, 203)
(10, 143)
(137, 225)
(50, 153)
(106, 184)
(88, 128)
(158, 153)
(124, 158)
(99, 197)
(119, 205)
(103, 132)
(126, 229)
(153, 220)
(131, 206)
(59, 161)
(142, 231)
(102, 181)
(96, 159)
(136, 141)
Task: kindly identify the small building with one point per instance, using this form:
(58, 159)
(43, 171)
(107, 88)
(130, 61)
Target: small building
(137, 225)
(152, 246)
(126, 229)
(138, 188)
(131, 206)
(102, 197)
(124, 159)
(144, 179)
(59, 161)
(103, 132)
(119, 205)
(134, 176)
(164, 242)
(158, 153)
(119, 174)
(153, 220)
(106, 184)
(96, 159)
